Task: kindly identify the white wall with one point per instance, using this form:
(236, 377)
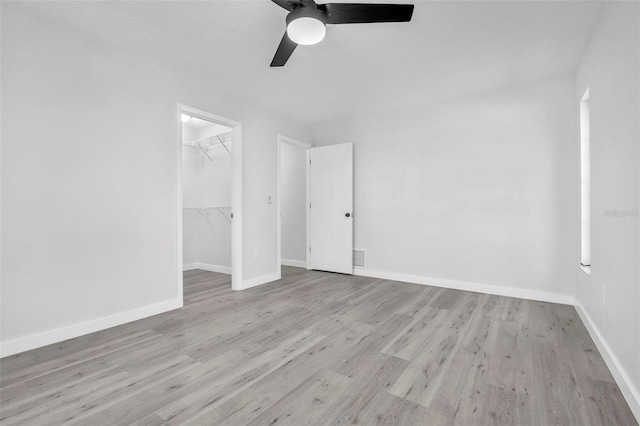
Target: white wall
(89, 225)
(610, 69)
(206, 182)
(206, 241)
(190, 227)
(471, 190)
(293, 201)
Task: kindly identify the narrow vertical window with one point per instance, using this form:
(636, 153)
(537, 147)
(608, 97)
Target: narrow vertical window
(585, 184)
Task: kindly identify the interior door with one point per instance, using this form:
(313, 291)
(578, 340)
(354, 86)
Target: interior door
(331, 208)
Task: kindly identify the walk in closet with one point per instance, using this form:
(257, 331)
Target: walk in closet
(206, 195)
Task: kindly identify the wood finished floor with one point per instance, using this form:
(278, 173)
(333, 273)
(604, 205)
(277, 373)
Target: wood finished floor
(319, 348)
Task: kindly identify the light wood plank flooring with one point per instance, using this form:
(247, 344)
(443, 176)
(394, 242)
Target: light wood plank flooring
(320, 348)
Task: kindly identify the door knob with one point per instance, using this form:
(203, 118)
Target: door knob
(347, 214)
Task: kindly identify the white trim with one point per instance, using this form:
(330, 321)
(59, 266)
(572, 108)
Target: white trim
(624, 382)
(308, 235)
(190, 266)
(278, 213)
(236, 192)
(236, 206)
(263, 279)
(292, 141)
(469, 286)
(207, 267)
(179, 254)
(58, 335)
(285, 139)
(296, 263)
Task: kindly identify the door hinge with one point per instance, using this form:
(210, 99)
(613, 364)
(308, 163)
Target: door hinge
(309, 249)
(309, 161)
(309, 205)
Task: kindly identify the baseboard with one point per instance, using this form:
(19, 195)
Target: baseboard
(34, 341)
(263, 279)
(296, 263)
(207, 267)
(190, 266)
(468, 286)
(629, 391)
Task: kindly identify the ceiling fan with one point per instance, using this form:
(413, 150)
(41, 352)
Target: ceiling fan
(306, 21)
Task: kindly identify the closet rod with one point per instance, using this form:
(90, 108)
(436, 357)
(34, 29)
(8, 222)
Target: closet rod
(217, 139)
(224, 211)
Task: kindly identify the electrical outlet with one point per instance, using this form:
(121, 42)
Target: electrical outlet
(395, 252)
(604, 295)
(256, 255)
(268, 199)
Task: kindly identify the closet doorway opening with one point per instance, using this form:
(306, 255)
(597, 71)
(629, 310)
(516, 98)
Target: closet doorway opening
(293, 202)
(209, 198)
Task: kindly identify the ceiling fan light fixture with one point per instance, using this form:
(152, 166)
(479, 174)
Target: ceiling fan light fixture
(306, 30)
(306, 21)
(306, 26)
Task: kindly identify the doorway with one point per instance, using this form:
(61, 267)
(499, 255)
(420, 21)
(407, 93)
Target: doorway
(292, 202)
(209, 195)
(322, 177)
(331, 208)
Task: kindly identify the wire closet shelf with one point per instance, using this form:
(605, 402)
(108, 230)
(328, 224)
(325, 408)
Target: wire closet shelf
(224, 211)
(209, 143)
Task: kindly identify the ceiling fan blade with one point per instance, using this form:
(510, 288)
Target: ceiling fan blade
(288, 4)
(357, 13)
(285, 49)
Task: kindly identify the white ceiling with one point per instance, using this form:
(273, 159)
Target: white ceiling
(450, 49)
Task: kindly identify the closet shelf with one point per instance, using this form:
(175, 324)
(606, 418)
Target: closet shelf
(207, 144)
(224, 211)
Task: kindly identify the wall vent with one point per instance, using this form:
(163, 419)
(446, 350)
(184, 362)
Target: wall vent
(359, 258)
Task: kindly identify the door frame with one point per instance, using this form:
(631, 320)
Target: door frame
(306, 146)
(236, 192)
